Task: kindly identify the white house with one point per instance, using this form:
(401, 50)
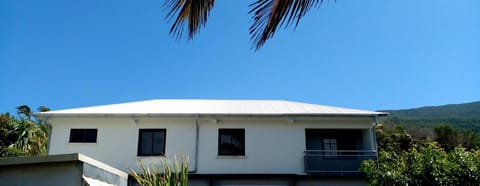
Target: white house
(228, 142)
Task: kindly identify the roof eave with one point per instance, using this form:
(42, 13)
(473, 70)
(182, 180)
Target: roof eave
(46, 114)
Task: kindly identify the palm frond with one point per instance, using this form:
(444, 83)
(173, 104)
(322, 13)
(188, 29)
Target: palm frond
(268, 15)
(190, 13)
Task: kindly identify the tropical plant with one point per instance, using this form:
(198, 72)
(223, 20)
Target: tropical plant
(32, 138)
(170, 172)
(268, 16)
(22, 136)
(24, 110)
(8, 134)
(43, 109)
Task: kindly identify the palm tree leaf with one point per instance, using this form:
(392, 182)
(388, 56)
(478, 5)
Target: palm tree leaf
(193, 13)
(43, 109)
(24, 110)
(268, 15)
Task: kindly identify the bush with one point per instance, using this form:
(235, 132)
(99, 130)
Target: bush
(428, 164)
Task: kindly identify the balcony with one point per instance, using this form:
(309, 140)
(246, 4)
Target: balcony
(336, 162)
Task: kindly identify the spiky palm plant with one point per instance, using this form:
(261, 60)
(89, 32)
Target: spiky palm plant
(21, 136)
(268, 16)
(32, 138)
(170, 172)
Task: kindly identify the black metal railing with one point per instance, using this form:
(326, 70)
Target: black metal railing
(336, 162)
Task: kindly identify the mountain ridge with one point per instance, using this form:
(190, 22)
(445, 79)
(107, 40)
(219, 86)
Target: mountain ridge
(463, 115)
(470, 110)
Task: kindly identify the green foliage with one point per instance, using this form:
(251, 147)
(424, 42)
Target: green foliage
(446, 135)
(168, 173)
(428, 164)
(22, 136)
(449, 137)
(24, 110)
(393, 139)
(267, 16)
(465, 166)
(8, 133)
(32, 138)
(408, 160)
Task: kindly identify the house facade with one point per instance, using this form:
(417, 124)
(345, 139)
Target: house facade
(228, 142)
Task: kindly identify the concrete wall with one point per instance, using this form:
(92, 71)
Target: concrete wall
(64, 169)
(65, 173)
(273, 145)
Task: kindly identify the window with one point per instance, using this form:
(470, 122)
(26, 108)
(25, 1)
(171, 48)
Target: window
(330, 147)
(83, 135)
(231, 142)
(151, 142)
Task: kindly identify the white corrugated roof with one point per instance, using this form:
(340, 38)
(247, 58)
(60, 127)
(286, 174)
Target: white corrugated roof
(213, 107)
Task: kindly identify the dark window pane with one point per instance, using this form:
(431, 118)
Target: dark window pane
(151, 142)
(83, 135)
(158, 139)
(91, 136)
(231, 142)
(146, 147)
(75, 135)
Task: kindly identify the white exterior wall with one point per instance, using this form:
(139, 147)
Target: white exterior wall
(271, 145)
(117, 138)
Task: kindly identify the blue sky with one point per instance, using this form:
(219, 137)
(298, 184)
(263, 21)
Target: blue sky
(360, 54)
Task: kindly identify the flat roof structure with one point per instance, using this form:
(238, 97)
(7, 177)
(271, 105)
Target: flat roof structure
(61, 169)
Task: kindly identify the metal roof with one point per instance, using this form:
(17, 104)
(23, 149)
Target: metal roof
(211, 107)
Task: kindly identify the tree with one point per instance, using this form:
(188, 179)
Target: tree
(24, 110)
(32, 138)
(268, 16)
(8, 134)
(43, 109)
(22, 136)
(470, 139)
(393, 138)
(446, 135)
(449, 137)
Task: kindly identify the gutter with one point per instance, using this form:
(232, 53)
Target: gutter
(197, 130)
(375, 119)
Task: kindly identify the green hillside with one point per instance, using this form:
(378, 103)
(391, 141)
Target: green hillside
(464, 116)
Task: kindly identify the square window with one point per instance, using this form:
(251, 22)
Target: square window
(231, 142)
(151, 142)
(83, 135)
(330, 147)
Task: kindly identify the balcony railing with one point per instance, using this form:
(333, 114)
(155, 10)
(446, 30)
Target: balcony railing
(336, 162)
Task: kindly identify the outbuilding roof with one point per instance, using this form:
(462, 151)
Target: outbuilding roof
(211, 107)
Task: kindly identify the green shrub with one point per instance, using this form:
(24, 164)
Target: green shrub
(428, 164)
